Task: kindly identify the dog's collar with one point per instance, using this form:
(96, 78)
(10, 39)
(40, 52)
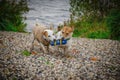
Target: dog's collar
(68, 39)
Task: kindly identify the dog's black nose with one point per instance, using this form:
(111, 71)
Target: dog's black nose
(62, 38)
(54, 39)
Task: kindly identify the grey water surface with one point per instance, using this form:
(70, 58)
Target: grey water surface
(47, 12)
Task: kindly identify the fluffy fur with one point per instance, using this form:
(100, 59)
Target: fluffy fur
(43, 35)
(65, 33)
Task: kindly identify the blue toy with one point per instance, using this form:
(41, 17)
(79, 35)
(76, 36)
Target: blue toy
(58, 42)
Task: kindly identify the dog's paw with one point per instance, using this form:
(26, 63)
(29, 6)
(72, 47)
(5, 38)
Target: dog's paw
(44, 51)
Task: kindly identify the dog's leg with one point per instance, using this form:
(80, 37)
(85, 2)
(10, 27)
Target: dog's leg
(32, 47)
(66, 50)
(58, 49)
(48, 49)
(43, 48)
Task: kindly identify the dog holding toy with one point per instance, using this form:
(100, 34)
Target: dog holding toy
(46, 37)
(58, 42)
(64, 39)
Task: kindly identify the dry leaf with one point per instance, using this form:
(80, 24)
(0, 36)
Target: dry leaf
(58, 62)
(75, 51)
(33, 52)
(93, 58)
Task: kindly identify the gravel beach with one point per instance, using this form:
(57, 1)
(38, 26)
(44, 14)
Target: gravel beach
(90, 59)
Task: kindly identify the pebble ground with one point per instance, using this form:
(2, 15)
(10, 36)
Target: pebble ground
(89, 59)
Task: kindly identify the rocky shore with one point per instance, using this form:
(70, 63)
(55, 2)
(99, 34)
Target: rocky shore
(90, 59)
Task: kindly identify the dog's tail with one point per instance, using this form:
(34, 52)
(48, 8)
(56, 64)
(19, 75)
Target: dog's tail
(36, 22)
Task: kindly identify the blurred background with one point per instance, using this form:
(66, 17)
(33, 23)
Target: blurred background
(98, 19)
(47, 12)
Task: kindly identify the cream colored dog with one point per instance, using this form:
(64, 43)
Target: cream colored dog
(43, 35)
(65, 33)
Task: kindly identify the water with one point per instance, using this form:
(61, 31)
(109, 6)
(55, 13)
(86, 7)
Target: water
(47, 12)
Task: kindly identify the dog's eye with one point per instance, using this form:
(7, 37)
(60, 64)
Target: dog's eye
(67, 33)
(49, 36)
(63, 32)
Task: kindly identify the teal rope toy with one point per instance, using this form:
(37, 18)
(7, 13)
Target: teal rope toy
(59, 42)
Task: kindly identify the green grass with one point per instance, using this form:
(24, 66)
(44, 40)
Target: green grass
(26, 53)
(8, 26)
(11, 16)
(107, 27)
(94, 29)
(113, 23)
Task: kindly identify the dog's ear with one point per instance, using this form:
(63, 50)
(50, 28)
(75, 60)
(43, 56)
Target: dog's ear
(51, 27)
(59, 28)
(45, 33)
(72, 27)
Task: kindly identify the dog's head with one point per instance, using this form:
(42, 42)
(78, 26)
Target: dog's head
(65, 33)
(49, 35)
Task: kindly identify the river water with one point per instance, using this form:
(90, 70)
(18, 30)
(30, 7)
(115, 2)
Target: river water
(47, 12)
